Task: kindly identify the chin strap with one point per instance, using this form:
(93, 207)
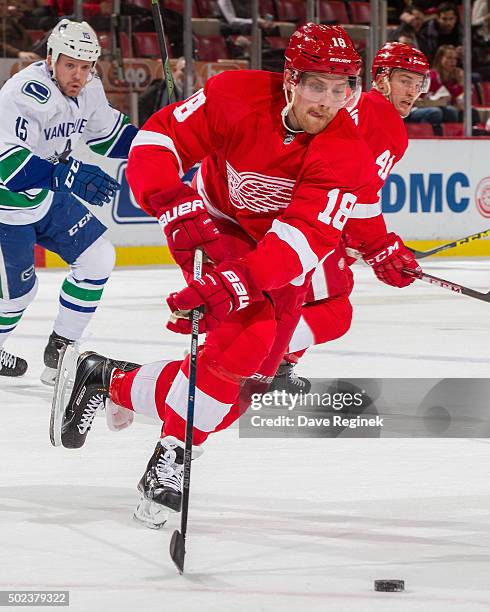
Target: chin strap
(386, 94)
(287, 108)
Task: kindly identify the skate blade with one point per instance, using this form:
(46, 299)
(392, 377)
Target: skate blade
(151, 514)
(63, 385)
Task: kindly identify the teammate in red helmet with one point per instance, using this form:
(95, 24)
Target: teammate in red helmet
(400, 74)
(284, 165)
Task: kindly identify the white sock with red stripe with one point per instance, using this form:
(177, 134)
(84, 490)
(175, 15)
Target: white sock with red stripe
(160, 390)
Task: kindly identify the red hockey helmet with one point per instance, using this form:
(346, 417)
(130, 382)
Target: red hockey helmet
(322, 48)
(395, 55)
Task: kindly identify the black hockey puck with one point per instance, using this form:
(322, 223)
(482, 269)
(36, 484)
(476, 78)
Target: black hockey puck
(389, 586)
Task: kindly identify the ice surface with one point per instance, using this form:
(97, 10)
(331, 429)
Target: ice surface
(275, 525)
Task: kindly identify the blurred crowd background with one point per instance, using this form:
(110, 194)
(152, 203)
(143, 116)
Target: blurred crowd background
(222, 35)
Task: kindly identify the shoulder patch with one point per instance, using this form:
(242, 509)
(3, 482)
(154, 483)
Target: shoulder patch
(37, 90)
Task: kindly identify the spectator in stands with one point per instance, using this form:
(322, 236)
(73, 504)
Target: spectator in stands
(480, 10)
(38, 14)
(101, 21)
(446, 74)
(178, 74)
(422, 113)
(444, 102)
(406, 38)
(480, 48)
(14, 39)
(155, 95)
(445, 29)
(427, 6)
(411, 22)
(446, 80)
(236, 15)
(237, 25)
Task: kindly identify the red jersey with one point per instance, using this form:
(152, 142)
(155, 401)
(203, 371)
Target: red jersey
(384, 131)
(292, 193)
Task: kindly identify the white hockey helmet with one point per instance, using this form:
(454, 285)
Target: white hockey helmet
(74, 39)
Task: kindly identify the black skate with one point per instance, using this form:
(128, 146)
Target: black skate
(10, 365)
(287, 380)
(161, 484)
(90, 391)
(56, 345)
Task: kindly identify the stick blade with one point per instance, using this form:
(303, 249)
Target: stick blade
(177, 550)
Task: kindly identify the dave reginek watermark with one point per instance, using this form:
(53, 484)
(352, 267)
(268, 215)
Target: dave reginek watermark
(310, 412)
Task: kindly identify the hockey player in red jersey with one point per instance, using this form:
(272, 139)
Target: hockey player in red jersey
(269, 208)
(400, 74)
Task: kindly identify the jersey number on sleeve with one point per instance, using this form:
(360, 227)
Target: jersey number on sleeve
(21, 128)
(385, 162)
(189, 106)
(345, 207)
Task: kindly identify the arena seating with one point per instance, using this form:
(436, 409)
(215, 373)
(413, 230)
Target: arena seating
(333, 11)
(105, 43)
(210, 48)
(277, 42)
(291, 10)
(207, 8)
(36, 35)
(146, 45)
(360, 12)
(267, 7)
(453, 130)
(420, 130)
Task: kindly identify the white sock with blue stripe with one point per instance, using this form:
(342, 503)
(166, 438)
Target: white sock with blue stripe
(82, 289)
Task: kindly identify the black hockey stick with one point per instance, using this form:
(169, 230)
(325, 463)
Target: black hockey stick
(177, 543)
(450, 245)
(116, 39)
(440, 282)
(167, 73)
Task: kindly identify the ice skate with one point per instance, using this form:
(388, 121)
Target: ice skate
(52, 353)
(63, 387)
(150, 513)
(11, 365)
(161, 484)
(90, 390)
(287, 380)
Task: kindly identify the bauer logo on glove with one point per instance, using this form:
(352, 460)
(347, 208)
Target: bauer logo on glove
(222, 292)
(180, 210)
(238, 287)
(187, 226)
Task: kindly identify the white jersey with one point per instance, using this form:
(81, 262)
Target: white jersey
(38, 120)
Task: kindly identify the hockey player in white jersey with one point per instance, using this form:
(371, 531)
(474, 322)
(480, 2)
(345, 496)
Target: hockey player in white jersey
(46, 109)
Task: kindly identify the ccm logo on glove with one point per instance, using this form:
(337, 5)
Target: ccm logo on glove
(382, 255)
(238, 288)
(184, 208)
(74, 168)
